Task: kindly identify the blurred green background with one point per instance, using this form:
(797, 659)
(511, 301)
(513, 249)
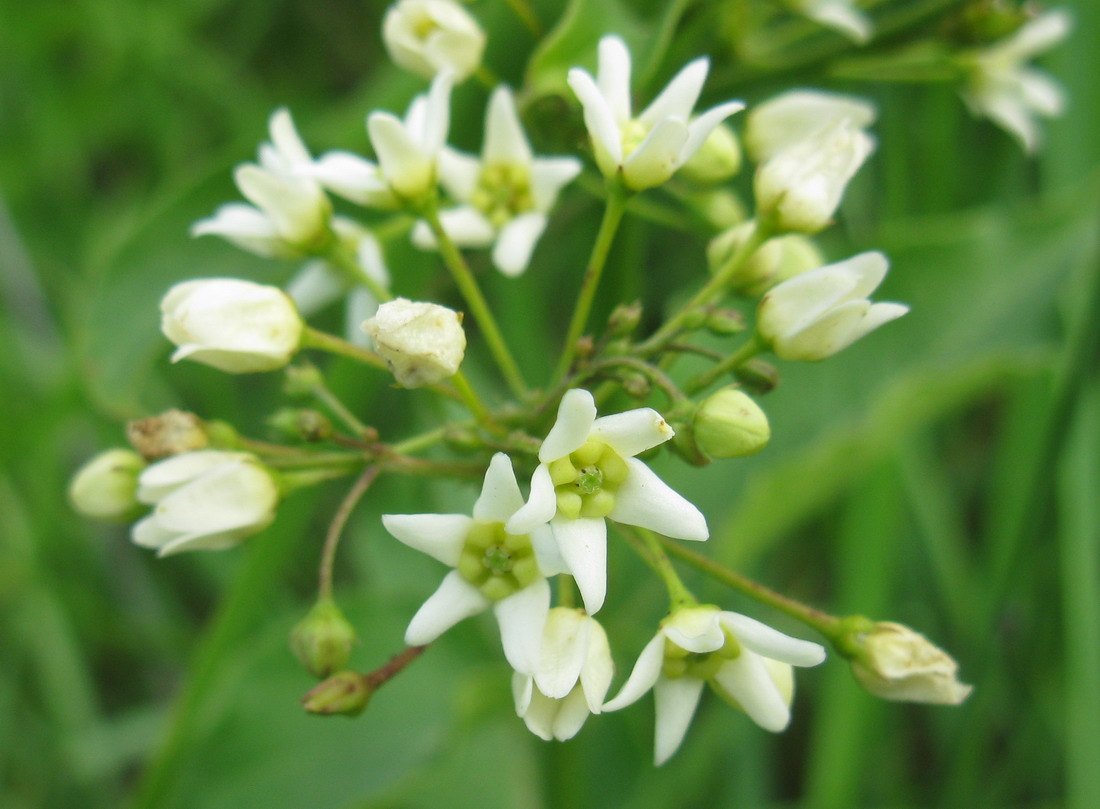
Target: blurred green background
(942, 473)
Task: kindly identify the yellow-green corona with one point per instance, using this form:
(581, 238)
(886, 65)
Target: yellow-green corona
(497, 563)
(586, 479)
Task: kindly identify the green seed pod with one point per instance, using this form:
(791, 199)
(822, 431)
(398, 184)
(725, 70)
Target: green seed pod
(346, 692)
(322, 640)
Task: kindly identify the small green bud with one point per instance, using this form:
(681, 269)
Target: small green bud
(718, 159)
(636, 385)
(105, 488)
(346, 692)
(791, 255)
(728, 424)
(172, 432)
(757, 375)
(222, 435)
(694, 320)
(721, 207)
(461, 439)
(301, 380)
(725, 322)
(322, 640)
(301, 425)
(625, 319)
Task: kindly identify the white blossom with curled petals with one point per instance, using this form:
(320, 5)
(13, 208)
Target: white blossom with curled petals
(1004, 89)
(588, 472)
(289, 215)
(505, 196)
(572, 677)
(648, 149)
(746, 662)
(430, 36)
(493, 567)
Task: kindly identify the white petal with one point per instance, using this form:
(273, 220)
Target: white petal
(505, 141)
(404, 164)
(438, 113)
(286, 138)
(314, 287)
(368, 252)
(540, 714)
(598, 118)
(540, 506)
(642, 677)
(658, 157)
(699, 129)
(772, 643)
(583, 546)
(522, 617)
(633, 431)
(204, 542)
(548, 176)
(441, 536)
(523, 687)
(696, 629)
(675, 702)
(598, 667)
(148, 533)
(516, 241)
(679, 96)
(564, 649)
(613, 76)
(1042, 93)
(458, 173)
(157, 480)
(361, 306)
(648, 502)
(455, 600)
(571, 716)
(351, 177)
(500, 496)
(841, 16)
(1037, 35)
(466, 226)
(576, 415)
(1013, 116)
(747, 680)
(235, 495)
(236, 219)
(547, 552)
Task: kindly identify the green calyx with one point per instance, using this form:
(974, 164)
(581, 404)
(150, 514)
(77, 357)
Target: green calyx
(496, 562)
(503, 192)
(585, 481)
(679, 662)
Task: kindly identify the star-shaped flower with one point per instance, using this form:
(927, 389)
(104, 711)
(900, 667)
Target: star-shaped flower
(505, 195)
(649, 148)
(493, 566)
(746, 662)
(587, 472)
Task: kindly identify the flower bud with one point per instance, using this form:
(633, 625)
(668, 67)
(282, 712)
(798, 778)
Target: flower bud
(728, 424)
(625, 318)
(757, 375)
(301, 425)
(718, 159)
(422, 342)
(169, 433)
(235, 326)
(725, 322)
(322, 640)
(720, 206)
(792, 116)
(800, 187)
(430, 36)
(346, 692)
(302, 380)
(105, 488)
(894, 662)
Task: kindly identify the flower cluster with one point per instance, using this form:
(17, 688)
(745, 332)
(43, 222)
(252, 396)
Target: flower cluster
(586, 478)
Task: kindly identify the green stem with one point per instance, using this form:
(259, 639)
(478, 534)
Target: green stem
(654, 374)
(649, 547)
(336, 528)
(305, 478)
(527, 16)
(333, 403)
(419, 442)
(340, 258)
(828, 625)
(717, 284)
(566, 593)
(734, 360)
(612, 216)
(472, 400)
(467, 285)
(322, 341)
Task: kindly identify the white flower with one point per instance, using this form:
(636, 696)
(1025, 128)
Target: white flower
(795, 115)
(587, 472)
(430, 36)
(840, 15)
(746, 662)
(204, 500)
(233, 325)
(799, 187)
(1003, 88)
(648, 149)
(422, 343)
(291, 211)
(571, 679)
(900, 664)
(105, 488)
(408, 150)
(505, 195)
(320, 282)
(493, 567)
(816, 314)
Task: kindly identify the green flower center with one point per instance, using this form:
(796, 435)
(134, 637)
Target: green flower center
(585, 480)
(503, 192)
(633, 133)
(679, 662)
(496, 562)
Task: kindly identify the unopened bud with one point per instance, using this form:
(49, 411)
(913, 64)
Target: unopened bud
(625, 319)
(322, 640)
(461, 438)
(302, 380)
(346, 692)
(170, 433)
(725, 322)
(636, 385)
(105, 488)
(728, 424)
(694, 320)
(757, 375)
(894, 662)
(301, 425)
(422, 343)
(683, 444)
(718, 159)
